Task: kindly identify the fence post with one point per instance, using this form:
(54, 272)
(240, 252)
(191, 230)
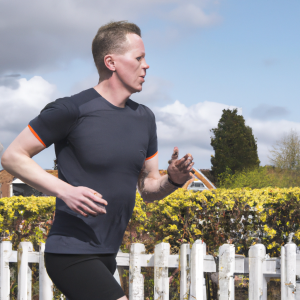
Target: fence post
(290, 270)
(185, 269)
(204, 282)
(298, 289)
(45, 283)
(5, 253)
(161, 280)
(136, 279)
(226, 271)
(257, 254)
(197, 290)
(29, 283)
(283, 274)
(24, 287)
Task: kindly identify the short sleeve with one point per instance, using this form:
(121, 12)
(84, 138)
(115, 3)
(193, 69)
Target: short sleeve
(152, 146)
(54, 122)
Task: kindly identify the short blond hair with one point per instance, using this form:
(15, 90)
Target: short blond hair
(110, 39)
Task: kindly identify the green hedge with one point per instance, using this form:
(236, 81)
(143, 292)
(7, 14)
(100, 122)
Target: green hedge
(26, 219)
(258, 178)
(239, 216)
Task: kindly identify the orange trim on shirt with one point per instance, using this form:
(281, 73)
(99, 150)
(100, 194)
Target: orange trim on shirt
(36, 135)
(151, 156)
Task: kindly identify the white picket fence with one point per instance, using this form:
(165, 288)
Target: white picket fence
(193, 262)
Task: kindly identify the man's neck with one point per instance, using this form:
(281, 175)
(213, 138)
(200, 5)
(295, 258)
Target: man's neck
(113, 92)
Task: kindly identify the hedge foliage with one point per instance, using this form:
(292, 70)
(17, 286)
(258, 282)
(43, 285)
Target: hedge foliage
(260, 177)
(239, 216)
(26, 219)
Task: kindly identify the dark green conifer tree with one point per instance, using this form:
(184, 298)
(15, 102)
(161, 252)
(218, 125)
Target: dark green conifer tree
(234, 144)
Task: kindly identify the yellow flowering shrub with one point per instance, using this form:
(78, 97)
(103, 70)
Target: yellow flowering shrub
(241, 216)
(26, 219)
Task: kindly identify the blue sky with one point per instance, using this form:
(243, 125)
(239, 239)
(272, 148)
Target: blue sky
(204, 56)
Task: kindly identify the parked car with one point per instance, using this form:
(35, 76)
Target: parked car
(197, 186)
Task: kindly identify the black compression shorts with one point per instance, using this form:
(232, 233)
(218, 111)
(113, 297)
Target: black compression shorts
(84, 276)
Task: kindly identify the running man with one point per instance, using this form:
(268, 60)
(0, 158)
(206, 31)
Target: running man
(105, 145)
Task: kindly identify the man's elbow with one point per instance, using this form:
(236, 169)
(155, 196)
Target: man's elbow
(7, 159)
(4, 159)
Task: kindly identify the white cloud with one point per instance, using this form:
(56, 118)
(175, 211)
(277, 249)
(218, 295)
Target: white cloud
(188, 124)
(189, 129)
(178, 125)
(268, 132)
(19, 105)
(38, 36)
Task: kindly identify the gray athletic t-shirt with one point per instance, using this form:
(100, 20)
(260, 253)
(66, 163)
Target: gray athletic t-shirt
(103, 147)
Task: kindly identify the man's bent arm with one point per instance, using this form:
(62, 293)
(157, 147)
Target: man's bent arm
(17, 160)
(152, 186)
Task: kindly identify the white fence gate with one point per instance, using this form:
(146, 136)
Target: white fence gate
(193, 262)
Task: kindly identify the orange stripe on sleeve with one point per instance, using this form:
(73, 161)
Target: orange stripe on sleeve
(35, 134)
(151, 156)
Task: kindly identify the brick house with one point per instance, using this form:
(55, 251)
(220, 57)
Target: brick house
(10, 185)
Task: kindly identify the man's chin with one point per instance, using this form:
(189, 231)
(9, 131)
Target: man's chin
(137, 90)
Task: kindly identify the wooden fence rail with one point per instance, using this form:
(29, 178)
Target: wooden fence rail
(193, 262)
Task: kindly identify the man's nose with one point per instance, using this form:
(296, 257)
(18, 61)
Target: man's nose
(145, 65)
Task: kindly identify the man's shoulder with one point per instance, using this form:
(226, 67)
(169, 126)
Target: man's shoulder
(72, 103)
(84, 96)
(141, 107)
(60, 103)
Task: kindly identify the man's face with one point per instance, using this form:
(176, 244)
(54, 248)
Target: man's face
(131, 66)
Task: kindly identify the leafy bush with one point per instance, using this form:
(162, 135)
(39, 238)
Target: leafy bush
(26, 219)
(258, 178)
(239, 216)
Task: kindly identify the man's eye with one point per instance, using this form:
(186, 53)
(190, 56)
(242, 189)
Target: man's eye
(139, 58)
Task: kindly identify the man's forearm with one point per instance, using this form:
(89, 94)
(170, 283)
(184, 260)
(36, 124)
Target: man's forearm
(154, 189)
(26, 169)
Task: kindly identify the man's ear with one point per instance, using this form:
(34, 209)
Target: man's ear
(110, 62)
